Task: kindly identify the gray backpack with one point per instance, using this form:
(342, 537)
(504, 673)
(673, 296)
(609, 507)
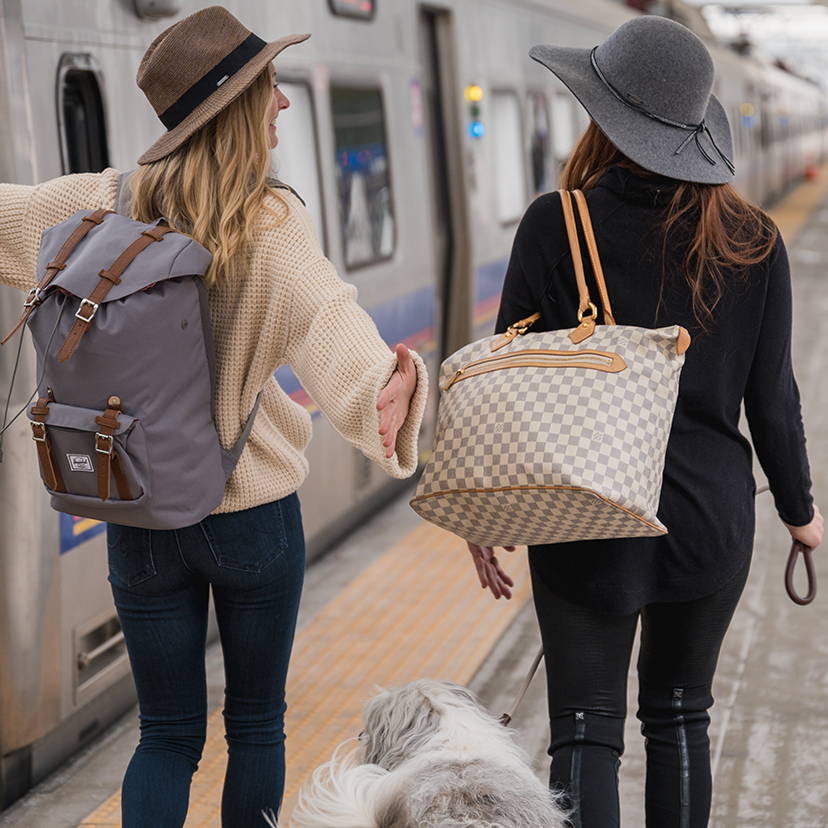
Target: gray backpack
(124, 423)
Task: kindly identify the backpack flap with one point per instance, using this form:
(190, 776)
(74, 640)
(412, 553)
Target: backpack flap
(176, 255)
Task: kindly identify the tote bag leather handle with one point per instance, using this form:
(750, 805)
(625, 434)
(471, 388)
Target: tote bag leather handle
(592, 246)
(585, 303)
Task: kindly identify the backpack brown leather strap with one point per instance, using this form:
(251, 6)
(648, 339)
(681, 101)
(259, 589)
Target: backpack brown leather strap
(55, 266)
(109, 277)
(592, 247)
(105, 446)
(48, 468)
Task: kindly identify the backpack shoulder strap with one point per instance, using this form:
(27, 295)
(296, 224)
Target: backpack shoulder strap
(124, 195)
(280, 185)
(230, 457)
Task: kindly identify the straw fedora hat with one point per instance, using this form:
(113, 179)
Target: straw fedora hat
(198, 66)
(648, 87)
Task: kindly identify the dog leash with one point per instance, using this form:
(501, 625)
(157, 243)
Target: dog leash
(797, 548)
(506, 718)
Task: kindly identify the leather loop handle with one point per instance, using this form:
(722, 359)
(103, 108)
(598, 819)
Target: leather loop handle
(790, 569)
(105, 444)
(57, 264)
(109, 276)
(48, 468)
(592, 246)
(585, 302)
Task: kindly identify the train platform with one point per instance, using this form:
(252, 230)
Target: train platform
(399, 599)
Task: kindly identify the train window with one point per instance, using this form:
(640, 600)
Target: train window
(81, 118)
(540, 142)
(507, 141)
(563, 127)
(361, 9)
(296, 153)
(363, 175)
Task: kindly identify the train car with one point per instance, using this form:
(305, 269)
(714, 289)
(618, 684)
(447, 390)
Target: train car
(417, 135)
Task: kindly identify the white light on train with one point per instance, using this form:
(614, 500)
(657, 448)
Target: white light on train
(474, 93)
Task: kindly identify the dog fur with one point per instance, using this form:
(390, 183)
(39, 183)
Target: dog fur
(429, 757)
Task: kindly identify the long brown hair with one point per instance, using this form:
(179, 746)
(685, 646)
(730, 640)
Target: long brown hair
(717, 231)
(213, 186)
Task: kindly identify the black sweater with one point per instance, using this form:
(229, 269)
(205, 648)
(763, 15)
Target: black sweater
(707, 499)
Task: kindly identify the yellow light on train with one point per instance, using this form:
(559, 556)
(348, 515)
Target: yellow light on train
(746, 110)
(474, 93)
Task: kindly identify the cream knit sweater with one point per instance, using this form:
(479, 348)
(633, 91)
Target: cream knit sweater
(290, 308)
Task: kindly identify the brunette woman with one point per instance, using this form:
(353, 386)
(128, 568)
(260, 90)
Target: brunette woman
(679, 245)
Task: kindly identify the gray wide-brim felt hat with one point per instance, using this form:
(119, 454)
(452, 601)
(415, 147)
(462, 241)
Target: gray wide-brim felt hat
(648, 88)
(198, 67)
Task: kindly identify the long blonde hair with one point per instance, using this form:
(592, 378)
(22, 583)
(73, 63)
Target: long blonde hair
(716, 230)
(214, 185)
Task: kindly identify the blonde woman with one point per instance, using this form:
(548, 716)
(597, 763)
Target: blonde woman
(274, 299)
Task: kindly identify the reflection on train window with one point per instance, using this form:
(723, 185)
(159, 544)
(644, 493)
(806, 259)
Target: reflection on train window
(363, 178)
(361, 9)
(83, 129)
(507, 143)
(563, 127)
(295, 157)
(540, 142)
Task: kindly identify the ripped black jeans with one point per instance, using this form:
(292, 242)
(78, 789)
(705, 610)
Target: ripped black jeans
(588, 655)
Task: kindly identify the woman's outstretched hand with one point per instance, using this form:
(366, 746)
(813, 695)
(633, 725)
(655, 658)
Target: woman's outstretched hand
(395, 398)
(489, 571)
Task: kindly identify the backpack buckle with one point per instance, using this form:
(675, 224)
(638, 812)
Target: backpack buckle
(35, 297)
(93, 305)
(99, 437)
(35, 426)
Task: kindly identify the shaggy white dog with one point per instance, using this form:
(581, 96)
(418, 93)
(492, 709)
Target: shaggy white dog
(432, 757)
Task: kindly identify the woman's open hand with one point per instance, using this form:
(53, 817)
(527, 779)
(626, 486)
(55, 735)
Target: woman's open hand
(489, 571)
(395, 398)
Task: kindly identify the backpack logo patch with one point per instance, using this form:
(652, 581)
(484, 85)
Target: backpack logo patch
(80, 462)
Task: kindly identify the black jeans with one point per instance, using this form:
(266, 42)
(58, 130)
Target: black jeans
(254, 561)
(587, 658)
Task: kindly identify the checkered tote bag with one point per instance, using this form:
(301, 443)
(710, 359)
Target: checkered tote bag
(555, 436)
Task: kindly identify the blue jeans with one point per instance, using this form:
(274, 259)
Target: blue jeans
(254, 560)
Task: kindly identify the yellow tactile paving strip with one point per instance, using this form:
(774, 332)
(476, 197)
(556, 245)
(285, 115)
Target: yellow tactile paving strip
(791, 212)
(417, 611)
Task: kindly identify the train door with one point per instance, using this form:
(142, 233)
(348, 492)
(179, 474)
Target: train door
(450, 232)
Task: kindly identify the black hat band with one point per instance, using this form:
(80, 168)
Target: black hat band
(174, 114)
